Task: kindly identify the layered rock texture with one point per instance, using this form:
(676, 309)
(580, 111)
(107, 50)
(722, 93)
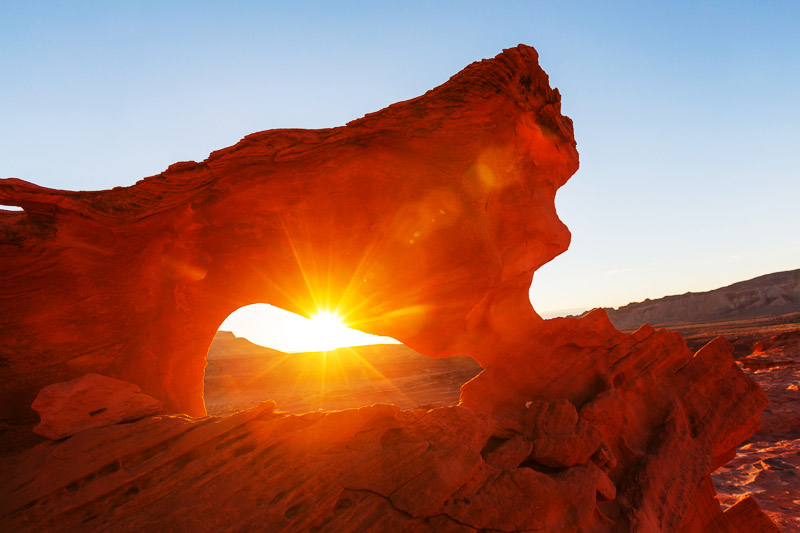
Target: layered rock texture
(768, 295)
(768, 351)
(425, 222)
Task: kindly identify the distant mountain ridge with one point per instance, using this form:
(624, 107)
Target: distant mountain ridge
(772, 294)
(227, 345)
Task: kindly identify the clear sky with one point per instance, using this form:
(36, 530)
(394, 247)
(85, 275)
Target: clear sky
(687, 114)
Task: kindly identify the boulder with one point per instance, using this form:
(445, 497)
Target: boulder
(559, 438)
(89, 401)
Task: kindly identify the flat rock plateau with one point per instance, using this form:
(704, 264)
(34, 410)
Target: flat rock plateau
(769, 295)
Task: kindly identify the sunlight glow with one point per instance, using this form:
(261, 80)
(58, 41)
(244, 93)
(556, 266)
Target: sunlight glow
(328, 323)
(281, 330)
(329, 330)
(332, 291)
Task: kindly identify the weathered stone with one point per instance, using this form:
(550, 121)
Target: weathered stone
(412, 221)
(559, 438)
(87, 402)
(510, 453)
(425, 222)
(606, 491)
(744, 515)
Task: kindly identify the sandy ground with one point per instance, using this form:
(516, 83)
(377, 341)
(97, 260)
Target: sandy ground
(768, 465)
(340, 379)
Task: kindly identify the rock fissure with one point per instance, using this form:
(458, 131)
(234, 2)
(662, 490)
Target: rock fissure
(444, 515)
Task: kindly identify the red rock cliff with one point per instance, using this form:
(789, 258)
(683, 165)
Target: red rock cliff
(424, 221)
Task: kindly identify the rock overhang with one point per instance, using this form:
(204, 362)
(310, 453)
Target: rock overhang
(417, 221)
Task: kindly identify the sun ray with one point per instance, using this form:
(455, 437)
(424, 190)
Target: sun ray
(370, 367)
(322, 378)
(303, 271)
(335, 301)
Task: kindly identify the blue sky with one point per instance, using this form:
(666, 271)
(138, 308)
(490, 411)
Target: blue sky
(686, 113)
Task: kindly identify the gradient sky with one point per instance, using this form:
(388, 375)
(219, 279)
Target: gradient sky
(687, 114)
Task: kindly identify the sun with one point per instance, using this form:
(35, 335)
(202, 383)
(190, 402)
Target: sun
(328, 323)
(330, 332)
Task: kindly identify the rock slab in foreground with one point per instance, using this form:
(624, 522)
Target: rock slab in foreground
(376, 468)
(89, 401)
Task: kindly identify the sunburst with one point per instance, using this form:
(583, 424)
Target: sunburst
(330, 332)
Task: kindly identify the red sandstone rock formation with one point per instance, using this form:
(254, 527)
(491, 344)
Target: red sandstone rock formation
(88, 402)
(424, 221)
(666, 418)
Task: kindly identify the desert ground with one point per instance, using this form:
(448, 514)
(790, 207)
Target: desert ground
(241, 375)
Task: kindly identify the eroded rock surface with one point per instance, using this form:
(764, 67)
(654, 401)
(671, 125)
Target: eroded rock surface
(87, 402)
(425, 222)
(374, 468)
(649, 399)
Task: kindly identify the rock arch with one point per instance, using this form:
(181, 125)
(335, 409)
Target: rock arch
(425, 220)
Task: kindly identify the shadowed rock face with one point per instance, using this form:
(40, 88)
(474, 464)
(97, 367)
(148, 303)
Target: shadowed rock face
(425, 222)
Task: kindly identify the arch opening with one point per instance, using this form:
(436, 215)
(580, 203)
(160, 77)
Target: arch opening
(263, 353)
